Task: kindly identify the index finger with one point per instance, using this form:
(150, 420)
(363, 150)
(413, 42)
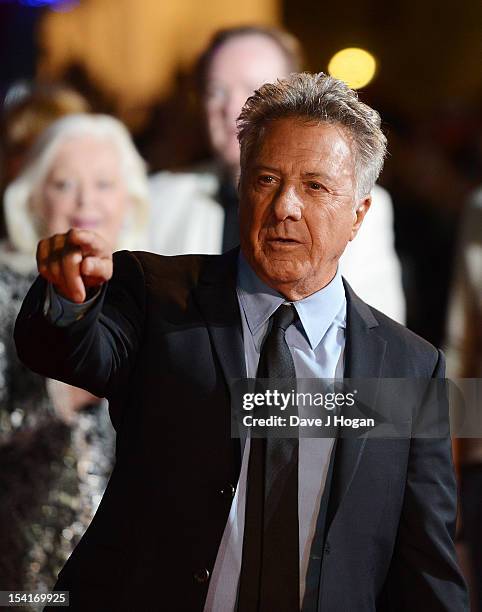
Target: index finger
(72, 277)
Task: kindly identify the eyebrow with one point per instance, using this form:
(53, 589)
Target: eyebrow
(304, 175)
(315, 175)
(273, 169)
(267, 168)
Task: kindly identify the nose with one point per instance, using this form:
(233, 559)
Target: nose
(287, 204)
(85, 197)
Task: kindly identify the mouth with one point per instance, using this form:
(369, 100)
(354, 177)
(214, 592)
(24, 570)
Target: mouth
(283, 243)
(85, 223)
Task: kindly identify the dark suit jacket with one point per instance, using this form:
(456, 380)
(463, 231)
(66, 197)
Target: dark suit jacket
(161, 345)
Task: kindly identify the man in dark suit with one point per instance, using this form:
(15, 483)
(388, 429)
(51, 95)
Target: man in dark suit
(192, 519)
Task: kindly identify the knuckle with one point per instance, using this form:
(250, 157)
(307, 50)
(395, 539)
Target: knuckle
(57, 241)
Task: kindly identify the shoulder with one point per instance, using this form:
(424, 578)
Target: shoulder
(161, 267)
(407, 353)
(181, 185)
(391, 328)
(185, 215)
(164, 276)
(418, 356)
(179, 269)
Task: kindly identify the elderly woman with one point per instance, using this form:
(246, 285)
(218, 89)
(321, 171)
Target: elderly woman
(56, 442)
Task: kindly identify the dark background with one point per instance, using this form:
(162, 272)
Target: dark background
(428, 89)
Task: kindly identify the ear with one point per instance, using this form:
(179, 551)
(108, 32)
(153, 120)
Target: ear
(359, 214)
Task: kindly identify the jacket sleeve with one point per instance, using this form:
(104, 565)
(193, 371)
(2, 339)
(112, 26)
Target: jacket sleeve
(424, 574)
(97, 352)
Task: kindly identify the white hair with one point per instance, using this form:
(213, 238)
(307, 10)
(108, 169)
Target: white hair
(22, 226)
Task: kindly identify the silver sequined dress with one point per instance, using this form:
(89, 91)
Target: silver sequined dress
(52, 475)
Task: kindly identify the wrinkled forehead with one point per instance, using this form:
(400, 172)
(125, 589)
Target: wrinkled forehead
(292, 139)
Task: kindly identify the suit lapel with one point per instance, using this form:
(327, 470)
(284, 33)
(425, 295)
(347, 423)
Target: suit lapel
(364, 354)
(216, 298)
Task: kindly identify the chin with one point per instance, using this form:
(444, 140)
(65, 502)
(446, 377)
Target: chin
(282, 273)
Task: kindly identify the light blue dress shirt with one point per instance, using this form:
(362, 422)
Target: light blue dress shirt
(317, 343)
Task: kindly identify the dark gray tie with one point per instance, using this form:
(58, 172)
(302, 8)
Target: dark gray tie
(269, 578)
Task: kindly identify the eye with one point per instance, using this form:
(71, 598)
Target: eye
(266, 179)
(315, 186)
(215, 93)
(62, 184)
(104, 184)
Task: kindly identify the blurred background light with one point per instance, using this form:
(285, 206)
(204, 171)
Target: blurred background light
(38, 2)
(354, 66)
(57, 5)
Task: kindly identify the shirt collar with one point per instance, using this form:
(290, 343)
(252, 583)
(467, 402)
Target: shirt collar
(316, 312)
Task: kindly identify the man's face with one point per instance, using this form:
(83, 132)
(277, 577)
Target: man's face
(297, 205)
(239, 67)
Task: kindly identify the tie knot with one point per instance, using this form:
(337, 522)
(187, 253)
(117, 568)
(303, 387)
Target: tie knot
(285, 316)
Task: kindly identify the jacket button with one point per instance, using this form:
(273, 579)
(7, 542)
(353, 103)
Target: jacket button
(228, 491)
(327, 548)
(201, 575)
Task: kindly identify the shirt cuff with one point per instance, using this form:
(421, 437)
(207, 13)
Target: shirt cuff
(62, 312)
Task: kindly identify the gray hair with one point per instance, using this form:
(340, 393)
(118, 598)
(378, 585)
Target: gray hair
(24, 228)
(317, 98)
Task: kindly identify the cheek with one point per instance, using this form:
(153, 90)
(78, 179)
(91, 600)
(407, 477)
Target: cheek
(215, 118)
(115, 206)
(52, 204)
(330, 227)
(318, 225)
(245, 222)
(251, 216)
(223, 139)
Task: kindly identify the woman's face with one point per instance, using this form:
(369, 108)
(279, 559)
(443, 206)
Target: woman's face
(84, 188)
